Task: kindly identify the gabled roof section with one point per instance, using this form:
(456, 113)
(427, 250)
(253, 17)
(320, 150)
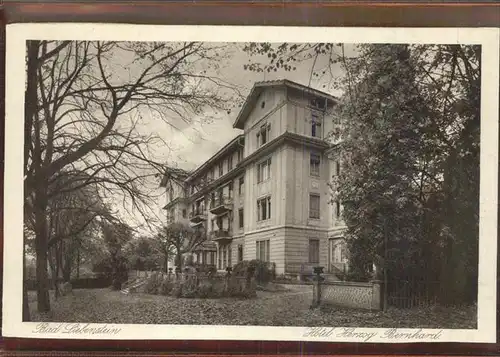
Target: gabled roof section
(259, 87)
(219, 154)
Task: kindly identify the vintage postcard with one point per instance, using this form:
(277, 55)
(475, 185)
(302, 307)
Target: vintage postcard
(261, 183)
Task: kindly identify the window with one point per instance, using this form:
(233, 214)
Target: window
(314, 206)
(240, 252)
(314, 164)
(314, 251)
(337, 209)
(315, 126)
(263, 134)
(230, 189)
(264, 170)
(263, 104)
(229, 163)
(263, 250)
(229, 254)
(184, 213)
(337, 168)
(224, 257)
(241, 185)
(240, 217)
(221, 171)
(264, 208)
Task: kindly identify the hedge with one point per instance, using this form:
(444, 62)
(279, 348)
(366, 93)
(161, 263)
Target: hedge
(82, 283)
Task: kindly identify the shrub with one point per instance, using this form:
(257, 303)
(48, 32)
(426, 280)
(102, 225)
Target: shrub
(177, 289)
(152, 285)
(236, 287)
(262, 271)
(166, 287)
(189, 288)
(91, 283)
(208, 269)
(118, 273)
(206, 289)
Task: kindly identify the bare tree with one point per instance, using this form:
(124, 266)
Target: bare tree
(182, 238)
(85, 106)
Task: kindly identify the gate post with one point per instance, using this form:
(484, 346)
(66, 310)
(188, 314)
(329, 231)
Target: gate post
(377, 293)
(317, 279)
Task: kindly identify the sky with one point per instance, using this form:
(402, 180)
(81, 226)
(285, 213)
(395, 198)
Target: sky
(197, 142)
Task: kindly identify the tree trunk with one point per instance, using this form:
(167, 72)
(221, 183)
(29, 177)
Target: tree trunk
(41, 248)
(42, 278)
(26, 308)
(166, 261)
(78, 262)
(65, 257)
(54, 278)
(179, 258)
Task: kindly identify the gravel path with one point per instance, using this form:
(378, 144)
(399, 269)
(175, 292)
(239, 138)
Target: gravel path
(290, 308)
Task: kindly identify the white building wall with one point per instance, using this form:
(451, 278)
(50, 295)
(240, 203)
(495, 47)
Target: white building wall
(290, 227)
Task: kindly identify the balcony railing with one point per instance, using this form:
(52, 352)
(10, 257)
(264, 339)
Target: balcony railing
(221, 235)
(221, 204)
(198, 215)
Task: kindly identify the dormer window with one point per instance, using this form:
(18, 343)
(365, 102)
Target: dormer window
(263, 134)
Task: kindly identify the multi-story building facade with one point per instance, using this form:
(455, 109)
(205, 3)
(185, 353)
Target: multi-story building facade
(265, 195)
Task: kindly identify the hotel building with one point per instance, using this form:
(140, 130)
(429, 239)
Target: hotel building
(265, 195)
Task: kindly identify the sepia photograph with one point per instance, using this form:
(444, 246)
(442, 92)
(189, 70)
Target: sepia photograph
(303, 184)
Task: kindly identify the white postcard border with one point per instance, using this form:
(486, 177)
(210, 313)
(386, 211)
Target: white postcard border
(17, 34)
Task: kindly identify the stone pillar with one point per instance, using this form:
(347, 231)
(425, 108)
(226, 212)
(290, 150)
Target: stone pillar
(317, 287)
(227, 279)
(377, 298)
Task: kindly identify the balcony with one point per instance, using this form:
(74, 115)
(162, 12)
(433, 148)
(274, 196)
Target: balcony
(221, 205)
(198, 216)
(221, 236)
(206, 246)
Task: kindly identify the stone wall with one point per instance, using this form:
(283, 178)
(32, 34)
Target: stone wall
(351, 294)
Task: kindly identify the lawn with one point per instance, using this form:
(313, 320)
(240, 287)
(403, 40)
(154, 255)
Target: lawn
(284, 308)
